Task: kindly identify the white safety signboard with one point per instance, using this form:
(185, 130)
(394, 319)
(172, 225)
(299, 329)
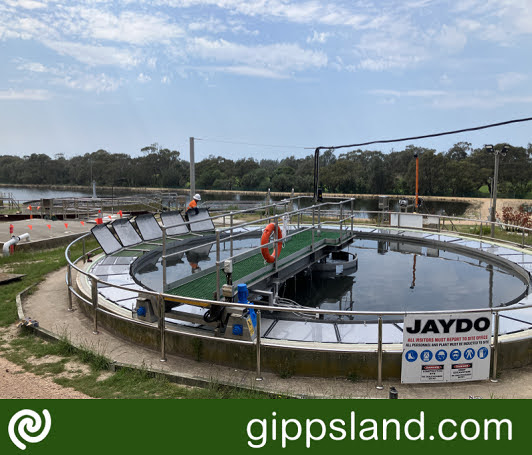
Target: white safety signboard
(446, 347)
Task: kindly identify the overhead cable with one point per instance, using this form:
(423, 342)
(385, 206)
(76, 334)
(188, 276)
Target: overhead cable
(413, 138)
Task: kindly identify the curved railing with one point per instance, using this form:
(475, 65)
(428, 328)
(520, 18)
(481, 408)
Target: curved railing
(320, 217)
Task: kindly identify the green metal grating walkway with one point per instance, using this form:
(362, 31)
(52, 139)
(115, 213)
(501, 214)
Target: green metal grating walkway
(205, 286)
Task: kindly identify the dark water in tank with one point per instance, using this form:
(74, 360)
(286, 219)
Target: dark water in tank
(391, 276)
(397, 276)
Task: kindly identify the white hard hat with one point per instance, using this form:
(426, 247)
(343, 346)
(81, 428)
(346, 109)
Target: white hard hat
(197, 197)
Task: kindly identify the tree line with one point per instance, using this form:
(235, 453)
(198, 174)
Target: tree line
(460, 171)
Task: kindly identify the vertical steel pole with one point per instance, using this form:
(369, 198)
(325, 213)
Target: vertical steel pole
(94, 291)
(259, 375)
(276, 244)
(165, 284)
(217, 264)
(495, 349)
(69, 278)
(312, 228)
(231, 242)
(494, 205)
(192, 169)
(379, 356)
(84, 257)
(162, 326)
(417, 182)
(481, 229)
(523, 241)
(352, 215)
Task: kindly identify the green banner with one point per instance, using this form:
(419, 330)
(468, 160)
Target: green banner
(268, 426)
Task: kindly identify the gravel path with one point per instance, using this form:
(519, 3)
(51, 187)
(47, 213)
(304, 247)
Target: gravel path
(16, 383)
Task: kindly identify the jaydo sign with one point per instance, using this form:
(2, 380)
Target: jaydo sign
(446, 347)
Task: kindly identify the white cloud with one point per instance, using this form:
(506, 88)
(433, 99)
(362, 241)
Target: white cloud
(408, 93)
(33, 67)
(243, 70)
(450, 39)
(276, 58)
(303, 12)
(27, 4)
(507, 81)
(25, 95)
(129, 27)
(143, 78)
(98, 83)
(93, 55)
(318, 37)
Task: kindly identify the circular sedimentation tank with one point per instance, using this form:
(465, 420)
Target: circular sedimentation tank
(397, 271)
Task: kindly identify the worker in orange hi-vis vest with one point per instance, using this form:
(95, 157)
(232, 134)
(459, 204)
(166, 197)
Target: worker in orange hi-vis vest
(193, 206)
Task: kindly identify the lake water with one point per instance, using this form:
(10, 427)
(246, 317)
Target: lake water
(235, 200)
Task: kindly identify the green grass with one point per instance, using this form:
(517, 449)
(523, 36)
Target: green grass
(35, 265)
(126, 383)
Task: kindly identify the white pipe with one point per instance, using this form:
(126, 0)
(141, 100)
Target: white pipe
(13, 241)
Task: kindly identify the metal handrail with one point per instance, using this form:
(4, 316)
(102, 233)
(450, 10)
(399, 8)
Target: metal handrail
(379, 314)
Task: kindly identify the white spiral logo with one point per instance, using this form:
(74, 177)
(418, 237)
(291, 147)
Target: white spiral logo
(29, 421)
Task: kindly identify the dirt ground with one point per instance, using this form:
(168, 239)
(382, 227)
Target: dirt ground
(16, 383)
(479, 207)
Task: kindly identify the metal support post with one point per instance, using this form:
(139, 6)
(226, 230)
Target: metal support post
(162, 324)
(84, 257)
(319, 221)
(231, 241)
(481, 229)
(94, 293)
(192, 169)
(352, 216)
(379, 357)
(69, 279)
(495, 350)
(276, 244)
(259, 375)
(523, 236)
(494, 204)
(217, 264)
(164, 259)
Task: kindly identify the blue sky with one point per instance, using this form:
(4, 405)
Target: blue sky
(119, 75)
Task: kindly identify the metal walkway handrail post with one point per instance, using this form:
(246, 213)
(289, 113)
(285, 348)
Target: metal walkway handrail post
(94, 295)
(163, 259)
(495, 350)
(162, 327)
(352, 216)
(217, 264)
(379, 356)
(276, 244)
(231, 224)
(259, 375)
(69, 285)
(313, 226)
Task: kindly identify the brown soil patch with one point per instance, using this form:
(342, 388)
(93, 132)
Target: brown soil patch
(19, 384)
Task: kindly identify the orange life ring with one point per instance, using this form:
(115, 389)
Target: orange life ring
(268, 257)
